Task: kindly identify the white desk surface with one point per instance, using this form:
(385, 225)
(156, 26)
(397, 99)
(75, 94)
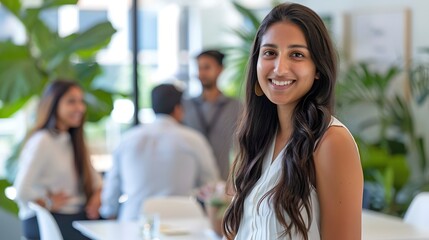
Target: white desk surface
(189, 229)
(375, 226)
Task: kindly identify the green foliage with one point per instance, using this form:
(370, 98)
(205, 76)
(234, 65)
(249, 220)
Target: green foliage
(360, 83)
(26, 69)
(375, 157)
(385, 175)
(237, 56)
(19, 75)
(14, 6)
(389, 173)
(5, 202)
(419, 79)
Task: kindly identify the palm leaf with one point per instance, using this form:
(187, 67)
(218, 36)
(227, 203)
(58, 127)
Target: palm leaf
(248, 14)
(419, 81)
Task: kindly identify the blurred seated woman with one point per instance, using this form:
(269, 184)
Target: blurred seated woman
(54, 165)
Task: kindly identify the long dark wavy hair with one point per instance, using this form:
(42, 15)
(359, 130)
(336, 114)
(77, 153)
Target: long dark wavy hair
(258, 126)
(47, 119)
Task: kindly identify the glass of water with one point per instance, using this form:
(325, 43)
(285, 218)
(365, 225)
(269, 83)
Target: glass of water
(149, 226)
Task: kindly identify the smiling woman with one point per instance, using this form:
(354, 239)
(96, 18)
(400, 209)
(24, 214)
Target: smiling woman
(54, 167)
(297, 174)
(285, 68)
(71, 109)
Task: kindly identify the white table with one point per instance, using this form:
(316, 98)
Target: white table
(375, 226)
(378, 226)
(191, 229)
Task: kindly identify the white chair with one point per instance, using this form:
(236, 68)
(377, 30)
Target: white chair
(418, 212)
(173, 207)
(48, 227)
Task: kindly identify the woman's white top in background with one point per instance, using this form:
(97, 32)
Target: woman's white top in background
(46, 165)
(262, 223)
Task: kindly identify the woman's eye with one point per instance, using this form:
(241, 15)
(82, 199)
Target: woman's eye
(269, 53)
(297, 55)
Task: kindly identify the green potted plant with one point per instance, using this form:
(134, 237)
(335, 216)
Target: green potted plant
(395, 114)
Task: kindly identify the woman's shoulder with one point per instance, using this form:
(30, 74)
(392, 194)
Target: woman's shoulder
(337, 129)
(335, 136)
(41, 137)
(37, 143)
(336, 141)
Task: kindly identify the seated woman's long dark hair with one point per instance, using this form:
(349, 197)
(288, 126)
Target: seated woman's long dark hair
(311, 118)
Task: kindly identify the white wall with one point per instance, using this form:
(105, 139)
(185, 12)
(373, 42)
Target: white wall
(419, 15)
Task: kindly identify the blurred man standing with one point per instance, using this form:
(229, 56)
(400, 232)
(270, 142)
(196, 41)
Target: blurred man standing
(212, 113)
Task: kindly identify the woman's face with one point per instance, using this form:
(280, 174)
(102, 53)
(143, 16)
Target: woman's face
(285, 69)
(71, 109)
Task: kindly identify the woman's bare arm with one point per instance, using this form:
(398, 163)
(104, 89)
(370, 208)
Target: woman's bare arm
(339, 183)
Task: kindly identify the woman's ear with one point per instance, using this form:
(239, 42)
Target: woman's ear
(317, 76)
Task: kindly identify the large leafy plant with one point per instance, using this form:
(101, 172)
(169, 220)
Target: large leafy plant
(361, 84)
(396, 113)
(26, 69)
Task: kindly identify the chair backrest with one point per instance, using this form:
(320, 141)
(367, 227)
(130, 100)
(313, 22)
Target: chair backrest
(173, 207)
(48, 227)
(418, 212)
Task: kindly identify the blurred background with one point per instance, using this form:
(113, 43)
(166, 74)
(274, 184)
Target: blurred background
(382, 89)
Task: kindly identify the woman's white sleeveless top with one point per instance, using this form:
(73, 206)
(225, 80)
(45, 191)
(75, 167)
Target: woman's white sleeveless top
(261, 223)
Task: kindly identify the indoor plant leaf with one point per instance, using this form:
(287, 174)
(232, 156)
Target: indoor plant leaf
(9, 109)
(19, 75)
(14, 6)
(99, 104)
(57, 3)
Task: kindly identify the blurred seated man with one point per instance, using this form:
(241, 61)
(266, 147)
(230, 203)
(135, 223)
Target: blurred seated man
(160, 159)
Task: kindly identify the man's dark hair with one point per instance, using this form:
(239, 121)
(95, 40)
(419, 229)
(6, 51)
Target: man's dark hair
(165, 97)
(217, 55)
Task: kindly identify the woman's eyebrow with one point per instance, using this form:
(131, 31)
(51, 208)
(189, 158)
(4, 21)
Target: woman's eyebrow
(298, 46)
(290, 46)
(269, 45)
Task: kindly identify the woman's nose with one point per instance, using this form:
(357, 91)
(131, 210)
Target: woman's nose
(281, 66)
